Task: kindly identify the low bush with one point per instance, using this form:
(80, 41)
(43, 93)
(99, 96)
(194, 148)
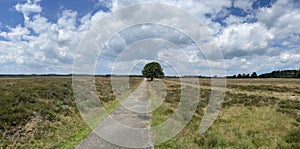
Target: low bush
(280, 89)
(41, 112)
(248, 100)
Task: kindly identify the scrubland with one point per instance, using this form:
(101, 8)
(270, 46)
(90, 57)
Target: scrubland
(256, 113)
(41, 112)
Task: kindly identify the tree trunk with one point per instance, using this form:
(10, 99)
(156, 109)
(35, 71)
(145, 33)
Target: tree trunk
(151, 78)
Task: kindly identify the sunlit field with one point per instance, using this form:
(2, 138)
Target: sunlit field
(256, 113)
(40, 112)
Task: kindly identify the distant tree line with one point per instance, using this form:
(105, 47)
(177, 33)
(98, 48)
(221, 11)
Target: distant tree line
(253, 75)
(273, 74)
(282, 74)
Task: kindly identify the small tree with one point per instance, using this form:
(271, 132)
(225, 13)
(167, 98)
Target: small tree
(243, 75)
(239, 76)
(153, 70)
(298, 74)
(247, 75)
(254, 75)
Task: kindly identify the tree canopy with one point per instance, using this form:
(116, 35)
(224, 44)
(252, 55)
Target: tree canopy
(254, 75)
(153, 70)
(274, 74)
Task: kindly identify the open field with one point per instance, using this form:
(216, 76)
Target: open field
(256, 113)
(40, 112)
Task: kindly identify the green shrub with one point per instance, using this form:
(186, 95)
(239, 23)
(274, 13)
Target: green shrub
(199, 140)
(248, 100)
(293, 136)
(51, 99)
(215, 140)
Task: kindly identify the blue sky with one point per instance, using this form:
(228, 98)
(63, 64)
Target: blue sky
(51, 9)
(41, 36)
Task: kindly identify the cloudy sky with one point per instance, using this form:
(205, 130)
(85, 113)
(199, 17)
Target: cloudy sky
(42, 36)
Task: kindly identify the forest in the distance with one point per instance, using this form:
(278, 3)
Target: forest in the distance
(273, 74)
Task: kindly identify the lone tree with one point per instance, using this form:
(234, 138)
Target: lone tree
(153, 70)
(254, 75)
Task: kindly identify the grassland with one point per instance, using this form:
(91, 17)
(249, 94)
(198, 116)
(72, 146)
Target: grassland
(40, 112)
(256, 113)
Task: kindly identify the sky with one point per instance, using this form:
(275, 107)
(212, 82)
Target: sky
(43, 36)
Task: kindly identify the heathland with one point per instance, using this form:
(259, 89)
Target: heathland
(41, 112)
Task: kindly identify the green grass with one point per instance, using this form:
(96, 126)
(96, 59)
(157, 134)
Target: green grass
(258, 127)
(245, 121)
(40, 112)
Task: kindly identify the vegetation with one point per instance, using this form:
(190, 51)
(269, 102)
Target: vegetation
(246, 120)
(273, 74)
(153, 70)
(279, 89)
(282, 74)
(254, 75)
(40, 112)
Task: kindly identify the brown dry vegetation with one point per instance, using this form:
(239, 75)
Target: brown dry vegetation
(256, 113)
(40, 112)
